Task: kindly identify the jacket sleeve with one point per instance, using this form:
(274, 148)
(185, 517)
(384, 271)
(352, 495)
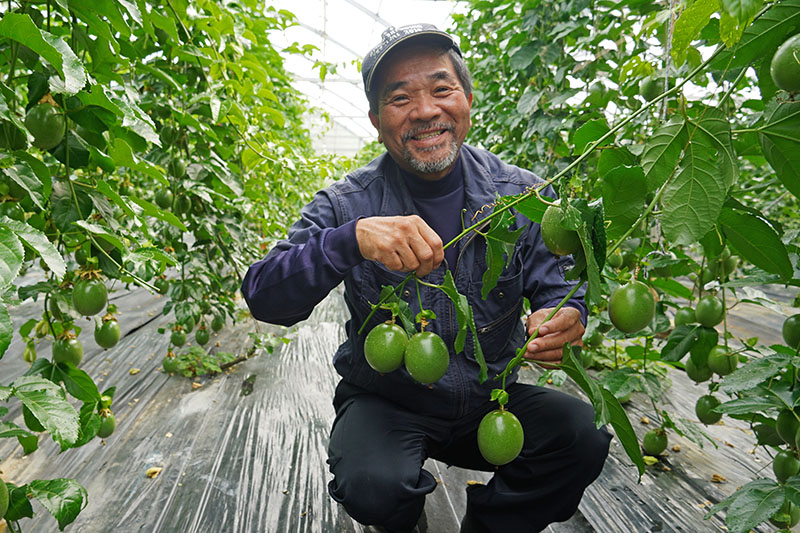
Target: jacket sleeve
(300, 271)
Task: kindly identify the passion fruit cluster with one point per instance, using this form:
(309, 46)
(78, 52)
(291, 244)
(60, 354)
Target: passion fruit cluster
(425, 355)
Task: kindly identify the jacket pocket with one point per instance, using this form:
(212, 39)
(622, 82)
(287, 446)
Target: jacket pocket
(498, 318)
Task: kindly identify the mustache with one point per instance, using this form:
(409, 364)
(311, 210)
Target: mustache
(427, 127)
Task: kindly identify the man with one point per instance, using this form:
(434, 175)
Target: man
(392, 217)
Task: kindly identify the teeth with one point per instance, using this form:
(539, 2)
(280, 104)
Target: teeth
(428, 135)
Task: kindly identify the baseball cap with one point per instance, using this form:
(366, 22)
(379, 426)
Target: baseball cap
(391, 38)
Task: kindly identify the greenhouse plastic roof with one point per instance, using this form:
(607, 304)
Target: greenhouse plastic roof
(344, 31)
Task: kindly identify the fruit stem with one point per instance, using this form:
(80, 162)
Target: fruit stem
(517, 360)
(383, 300)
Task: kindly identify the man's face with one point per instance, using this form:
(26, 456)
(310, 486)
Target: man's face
(423, 113)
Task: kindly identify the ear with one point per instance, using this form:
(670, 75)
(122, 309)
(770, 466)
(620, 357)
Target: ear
(376, 123)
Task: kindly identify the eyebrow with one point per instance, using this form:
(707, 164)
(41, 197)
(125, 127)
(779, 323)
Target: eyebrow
(438, 75)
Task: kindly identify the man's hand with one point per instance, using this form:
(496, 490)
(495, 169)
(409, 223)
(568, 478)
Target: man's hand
(565, 326)
(403, 243)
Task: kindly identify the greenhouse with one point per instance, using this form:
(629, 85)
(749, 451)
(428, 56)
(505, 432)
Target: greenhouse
(429, 266)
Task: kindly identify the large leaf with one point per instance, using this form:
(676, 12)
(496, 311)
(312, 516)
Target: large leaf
(25, 177)
(6, 329)
(39, 242)
(78, 383)
(688, 26)
(662, 152)
(466, 320)
(11, 254)
(749, 405)
(750, 505)
(20, 27)
(741, 10)
(754, 372)
(589, 133)
(624, 193)
(533, 208)
(715, 129)
(780, 141)
(607, 409)
(63, 498)
(765, 34)
(693, 198)
(57, 416)
(679, 342)
(756, 241)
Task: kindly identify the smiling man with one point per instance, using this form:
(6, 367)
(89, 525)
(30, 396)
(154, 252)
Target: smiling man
(392, 217)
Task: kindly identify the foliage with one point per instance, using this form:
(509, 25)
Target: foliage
(697, 180)
(186, 97)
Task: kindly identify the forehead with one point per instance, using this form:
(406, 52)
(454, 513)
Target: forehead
(414, 62)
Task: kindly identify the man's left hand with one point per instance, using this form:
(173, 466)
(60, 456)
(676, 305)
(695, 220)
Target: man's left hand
(565, 326)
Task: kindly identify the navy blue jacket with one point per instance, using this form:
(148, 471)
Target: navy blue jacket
(321, 251)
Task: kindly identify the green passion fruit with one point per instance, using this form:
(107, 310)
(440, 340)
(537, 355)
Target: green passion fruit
(107, 335)
(721, 361)
(384, 347)
(426, 357)
(500, 437)
(89, 296)
(684, 315)
(46, 124)
(107, 425)
(785, 465)
(557, 238)
(631, 306)
(785, 65)
(654, 441)
(704, 409)
(709, 311)
(787, 516)
(698, 374)
(787, 425)
(791, 331)
(67, 351)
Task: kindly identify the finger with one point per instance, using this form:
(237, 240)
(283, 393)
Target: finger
(548, 356)
(434, 242)
(423, 254)
(563, 320)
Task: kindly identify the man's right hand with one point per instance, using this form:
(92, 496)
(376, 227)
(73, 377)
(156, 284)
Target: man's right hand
(404, 243)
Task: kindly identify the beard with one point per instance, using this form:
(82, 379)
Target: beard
(435, 165)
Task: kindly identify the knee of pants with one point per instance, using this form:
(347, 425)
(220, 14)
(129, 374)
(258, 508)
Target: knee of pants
(376, 497)
(591, 449)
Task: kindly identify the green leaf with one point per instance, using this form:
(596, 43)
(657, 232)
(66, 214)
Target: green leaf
(707, 338)
(154, 211)
(750, 505)
(9, 429)
(679, 342)
(688, 26)
(106, 189)
(590, 132)
(765, 34)
(533, 208)
(25, 177)
(741, 10)
(11, 255)
(19, 506)
(20, 27)
(692, 199)
(39, 242)
(780, 141)
(624, 193)
(688, 429)
(607, 408)
(65, 210)
(754, 372)
(529, 101)
(63, 498)
(500, 244)
(662, 152)
(465, 320)
(749, 405)
(756, 241)
(611, 158)
(715, 129)
(78, 383)
(6, 329)
(672, 287)
(56, 414)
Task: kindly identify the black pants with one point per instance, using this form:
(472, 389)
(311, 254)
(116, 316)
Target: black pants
(377, 449)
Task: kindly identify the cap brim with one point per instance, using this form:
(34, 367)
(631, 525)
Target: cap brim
(425, 33)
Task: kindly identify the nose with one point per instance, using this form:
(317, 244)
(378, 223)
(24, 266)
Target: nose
(425, 108)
